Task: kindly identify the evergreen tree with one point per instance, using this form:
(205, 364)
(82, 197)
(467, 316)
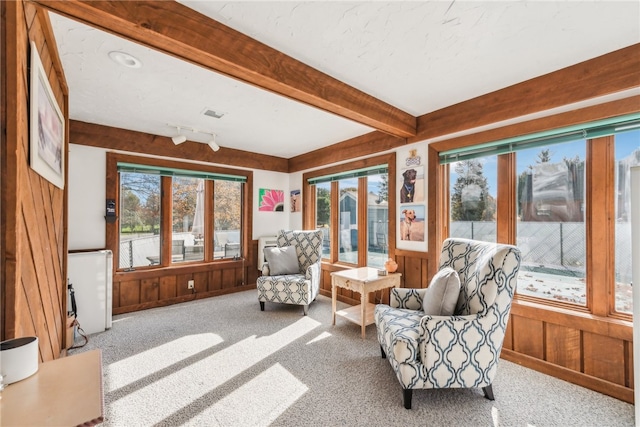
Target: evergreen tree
(470, 199)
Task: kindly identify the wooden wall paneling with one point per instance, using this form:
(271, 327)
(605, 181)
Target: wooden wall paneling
(149, 290)
(528, 336)
(168, 287)
(563, 346)
(15, 124)
(628, 363)
(600, 227)
(200, 282)
(413, 272)
(508, 335)
(115, 294)
(437, 208)
(36, 247)
(182, 281)
(129, 293)
(400, 260)
(604, 358)
(215, 280)
(228, 278)
(31, 309)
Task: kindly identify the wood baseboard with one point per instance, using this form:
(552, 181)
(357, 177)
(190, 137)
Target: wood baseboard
(605, 387)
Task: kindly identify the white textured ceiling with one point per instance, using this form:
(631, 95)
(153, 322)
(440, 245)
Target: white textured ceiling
(417, 56)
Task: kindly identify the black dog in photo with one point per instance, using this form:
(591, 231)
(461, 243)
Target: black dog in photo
(408, 186)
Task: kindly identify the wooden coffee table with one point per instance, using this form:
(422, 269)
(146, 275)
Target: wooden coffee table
(362, 280)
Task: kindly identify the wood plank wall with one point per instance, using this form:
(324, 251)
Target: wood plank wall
(34, 213)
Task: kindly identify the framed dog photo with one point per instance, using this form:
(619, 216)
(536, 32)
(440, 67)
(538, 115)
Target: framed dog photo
(411, 185)
(46, 139)
(412, 223)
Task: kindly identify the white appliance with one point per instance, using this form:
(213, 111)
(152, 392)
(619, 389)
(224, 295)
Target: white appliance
(635, 279)
(90, 274)
(265, 242)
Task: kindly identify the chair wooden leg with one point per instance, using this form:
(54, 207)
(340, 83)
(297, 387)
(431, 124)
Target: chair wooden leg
(488, 392)
(384, 355)
(261, 305)
(406, 395)
(305, 309)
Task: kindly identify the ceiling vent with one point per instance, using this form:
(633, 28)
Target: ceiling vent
(209, 112)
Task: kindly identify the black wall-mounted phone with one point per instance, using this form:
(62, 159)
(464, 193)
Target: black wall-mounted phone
(110, 215)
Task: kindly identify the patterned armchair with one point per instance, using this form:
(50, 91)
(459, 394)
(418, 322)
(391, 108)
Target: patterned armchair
(452, 351)
(301, 288)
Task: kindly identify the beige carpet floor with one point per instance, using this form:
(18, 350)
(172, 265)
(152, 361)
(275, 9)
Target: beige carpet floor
(222, 362)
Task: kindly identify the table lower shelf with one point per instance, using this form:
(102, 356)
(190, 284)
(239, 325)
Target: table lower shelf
(353, 314)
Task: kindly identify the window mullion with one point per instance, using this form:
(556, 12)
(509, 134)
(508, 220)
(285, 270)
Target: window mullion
(166, 212)
(209, 209)
(362, 222)
(335, 223)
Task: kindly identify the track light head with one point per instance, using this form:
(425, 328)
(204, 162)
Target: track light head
(212, 144)
(179, 139)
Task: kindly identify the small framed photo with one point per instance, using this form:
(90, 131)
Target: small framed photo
(46, 133)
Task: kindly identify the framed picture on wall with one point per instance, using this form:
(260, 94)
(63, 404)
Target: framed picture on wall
(46, 133)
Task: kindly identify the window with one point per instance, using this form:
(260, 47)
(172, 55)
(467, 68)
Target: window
(627, 154)
(348, 220)
(351, 205)
(378, 220)
(473, 198)
(227, 219)
(140, 216)
(323, 215)
(550, 230)
(556, 208)
(171, 215)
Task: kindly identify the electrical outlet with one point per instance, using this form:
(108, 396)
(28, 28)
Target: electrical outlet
(190, 284)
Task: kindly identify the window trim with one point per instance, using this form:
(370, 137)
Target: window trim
(343, 170)
(113, 192)
(598, 221)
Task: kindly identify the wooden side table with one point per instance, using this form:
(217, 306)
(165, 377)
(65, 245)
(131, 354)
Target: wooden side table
(362, 280)
(64, 392)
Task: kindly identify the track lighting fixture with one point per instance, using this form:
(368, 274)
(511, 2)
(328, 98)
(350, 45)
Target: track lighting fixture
(180, 138)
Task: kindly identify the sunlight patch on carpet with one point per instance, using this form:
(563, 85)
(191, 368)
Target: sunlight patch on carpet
(258, 402)
(134, 368)
(320, 337)
(177, 391)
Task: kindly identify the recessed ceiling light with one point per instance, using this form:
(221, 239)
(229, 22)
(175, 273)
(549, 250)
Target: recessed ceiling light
(125, 59)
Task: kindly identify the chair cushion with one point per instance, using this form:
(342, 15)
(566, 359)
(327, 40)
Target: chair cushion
(441, 296)
(282, 260)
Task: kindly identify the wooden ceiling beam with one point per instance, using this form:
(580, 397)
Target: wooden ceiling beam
(111, 138)
(177, 30)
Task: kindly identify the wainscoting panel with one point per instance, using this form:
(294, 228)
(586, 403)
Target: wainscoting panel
(578, 347)
(139, 290)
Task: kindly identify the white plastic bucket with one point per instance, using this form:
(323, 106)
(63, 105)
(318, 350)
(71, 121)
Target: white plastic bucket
(18, 359)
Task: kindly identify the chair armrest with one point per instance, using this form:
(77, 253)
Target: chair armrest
(452, 342)
(313, 273)
(407, 298)
(265, 269)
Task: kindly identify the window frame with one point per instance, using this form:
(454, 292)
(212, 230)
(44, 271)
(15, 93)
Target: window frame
(309, 206)
(599, 207)
(113, 192)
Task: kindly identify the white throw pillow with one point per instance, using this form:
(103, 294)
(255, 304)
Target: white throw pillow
(441, 296)
(282, 260)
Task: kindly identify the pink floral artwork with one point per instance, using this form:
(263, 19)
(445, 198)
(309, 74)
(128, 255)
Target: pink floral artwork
(270, 200)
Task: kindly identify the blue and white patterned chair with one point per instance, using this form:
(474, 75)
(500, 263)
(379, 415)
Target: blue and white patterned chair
(452, 351)
(301, 288)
